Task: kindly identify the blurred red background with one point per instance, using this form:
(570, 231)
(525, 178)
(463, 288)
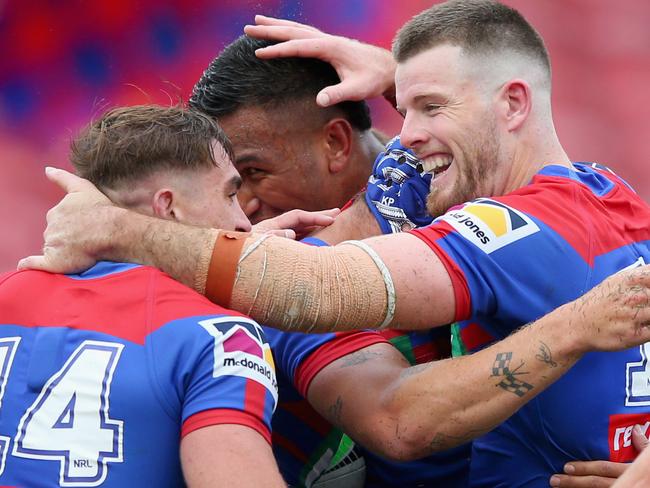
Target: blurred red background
(64, 62)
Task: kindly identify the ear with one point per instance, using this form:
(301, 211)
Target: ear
(338, 144)
(517, 101)
(162, 204)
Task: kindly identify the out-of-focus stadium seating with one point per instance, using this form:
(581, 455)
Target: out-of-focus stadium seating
(64, 62)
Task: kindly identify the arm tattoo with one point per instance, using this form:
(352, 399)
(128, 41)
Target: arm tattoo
(359, 357)
(544, 355)
(501, 369)
(413, 370)
(334, 411)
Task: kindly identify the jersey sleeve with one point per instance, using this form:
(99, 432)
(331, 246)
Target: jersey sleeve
(216, 369)
(303, 356)
(502, 260)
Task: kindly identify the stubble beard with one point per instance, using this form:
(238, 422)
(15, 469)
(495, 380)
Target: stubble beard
(481, 162)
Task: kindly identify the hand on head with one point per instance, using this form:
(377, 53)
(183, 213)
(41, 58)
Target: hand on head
(365, 71)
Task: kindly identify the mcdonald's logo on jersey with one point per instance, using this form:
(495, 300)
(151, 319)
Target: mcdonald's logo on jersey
(490, 225)
(241, 350)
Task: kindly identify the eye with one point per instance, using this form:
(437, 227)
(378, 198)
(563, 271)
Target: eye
(251, 172)
(431, 108)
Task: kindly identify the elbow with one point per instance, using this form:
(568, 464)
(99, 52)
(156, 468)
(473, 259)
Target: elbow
(412, 432)
(397, 436)
(400, 442)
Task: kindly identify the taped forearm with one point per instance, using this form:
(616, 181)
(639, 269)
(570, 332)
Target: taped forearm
(292, 286)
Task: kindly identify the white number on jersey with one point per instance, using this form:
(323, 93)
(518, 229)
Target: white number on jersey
(637, 374)
(69, 420)
(8, 347)
(637, 388)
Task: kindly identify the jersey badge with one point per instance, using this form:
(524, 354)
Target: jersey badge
(621, 449)
(241, 350)
(490, 225)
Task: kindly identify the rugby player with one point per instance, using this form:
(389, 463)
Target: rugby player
(291, 153)
(529, 231)
(120, 375)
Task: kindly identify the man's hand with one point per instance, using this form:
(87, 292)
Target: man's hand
(397, 190)
(296, 224)
(75, 227)
(597, 474)
(365, 71)
(614, 315)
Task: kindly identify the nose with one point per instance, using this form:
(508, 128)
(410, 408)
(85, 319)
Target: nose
(248, 201)
(243, 224)
(413, 133)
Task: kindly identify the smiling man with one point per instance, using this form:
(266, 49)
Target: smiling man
(290, 152)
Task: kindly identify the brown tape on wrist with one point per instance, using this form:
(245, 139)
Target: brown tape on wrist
(223, 266)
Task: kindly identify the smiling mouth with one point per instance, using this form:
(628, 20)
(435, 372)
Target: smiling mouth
(436, 165)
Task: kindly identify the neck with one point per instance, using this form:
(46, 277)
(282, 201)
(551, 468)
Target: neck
(532, 155)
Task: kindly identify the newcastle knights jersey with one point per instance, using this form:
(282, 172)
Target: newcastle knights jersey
(103, 373)
(514, 258)
(447, 469)
(304, 443)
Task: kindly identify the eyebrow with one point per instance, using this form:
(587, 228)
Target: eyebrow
(234, 182)
(247, 158)
(419, 98)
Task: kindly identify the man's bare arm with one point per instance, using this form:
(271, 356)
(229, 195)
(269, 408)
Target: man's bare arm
(391, 280)
(228, 456)
(337, 288)
(406, 412)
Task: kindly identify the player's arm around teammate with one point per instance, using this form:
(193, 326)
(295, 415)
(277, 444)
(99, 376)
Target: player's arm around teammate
(559, 339)
(406, 412)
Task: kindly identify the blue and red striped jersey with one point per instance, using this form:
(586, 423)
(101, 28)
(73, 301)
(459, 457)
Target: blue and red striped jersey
(102, 373)
(449, 469)
(512, 259)
(446, 469)
(304, 443)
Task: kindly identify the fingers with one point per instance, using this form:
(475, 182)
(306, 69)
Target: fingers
(32, 262)
(639, 276)
(332, 212)
(67, 181)
(639, 440)
(604, 469)
(300, 48)
(282, 33)
(348, 90)
(265, 20)
(566, 481)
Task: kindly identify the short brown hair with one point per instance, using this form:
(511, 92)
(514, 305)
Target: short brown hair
(128, 143)
(477, 26)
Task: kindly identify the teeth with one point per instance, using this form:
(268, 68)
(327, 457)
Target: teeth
(432, 163)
